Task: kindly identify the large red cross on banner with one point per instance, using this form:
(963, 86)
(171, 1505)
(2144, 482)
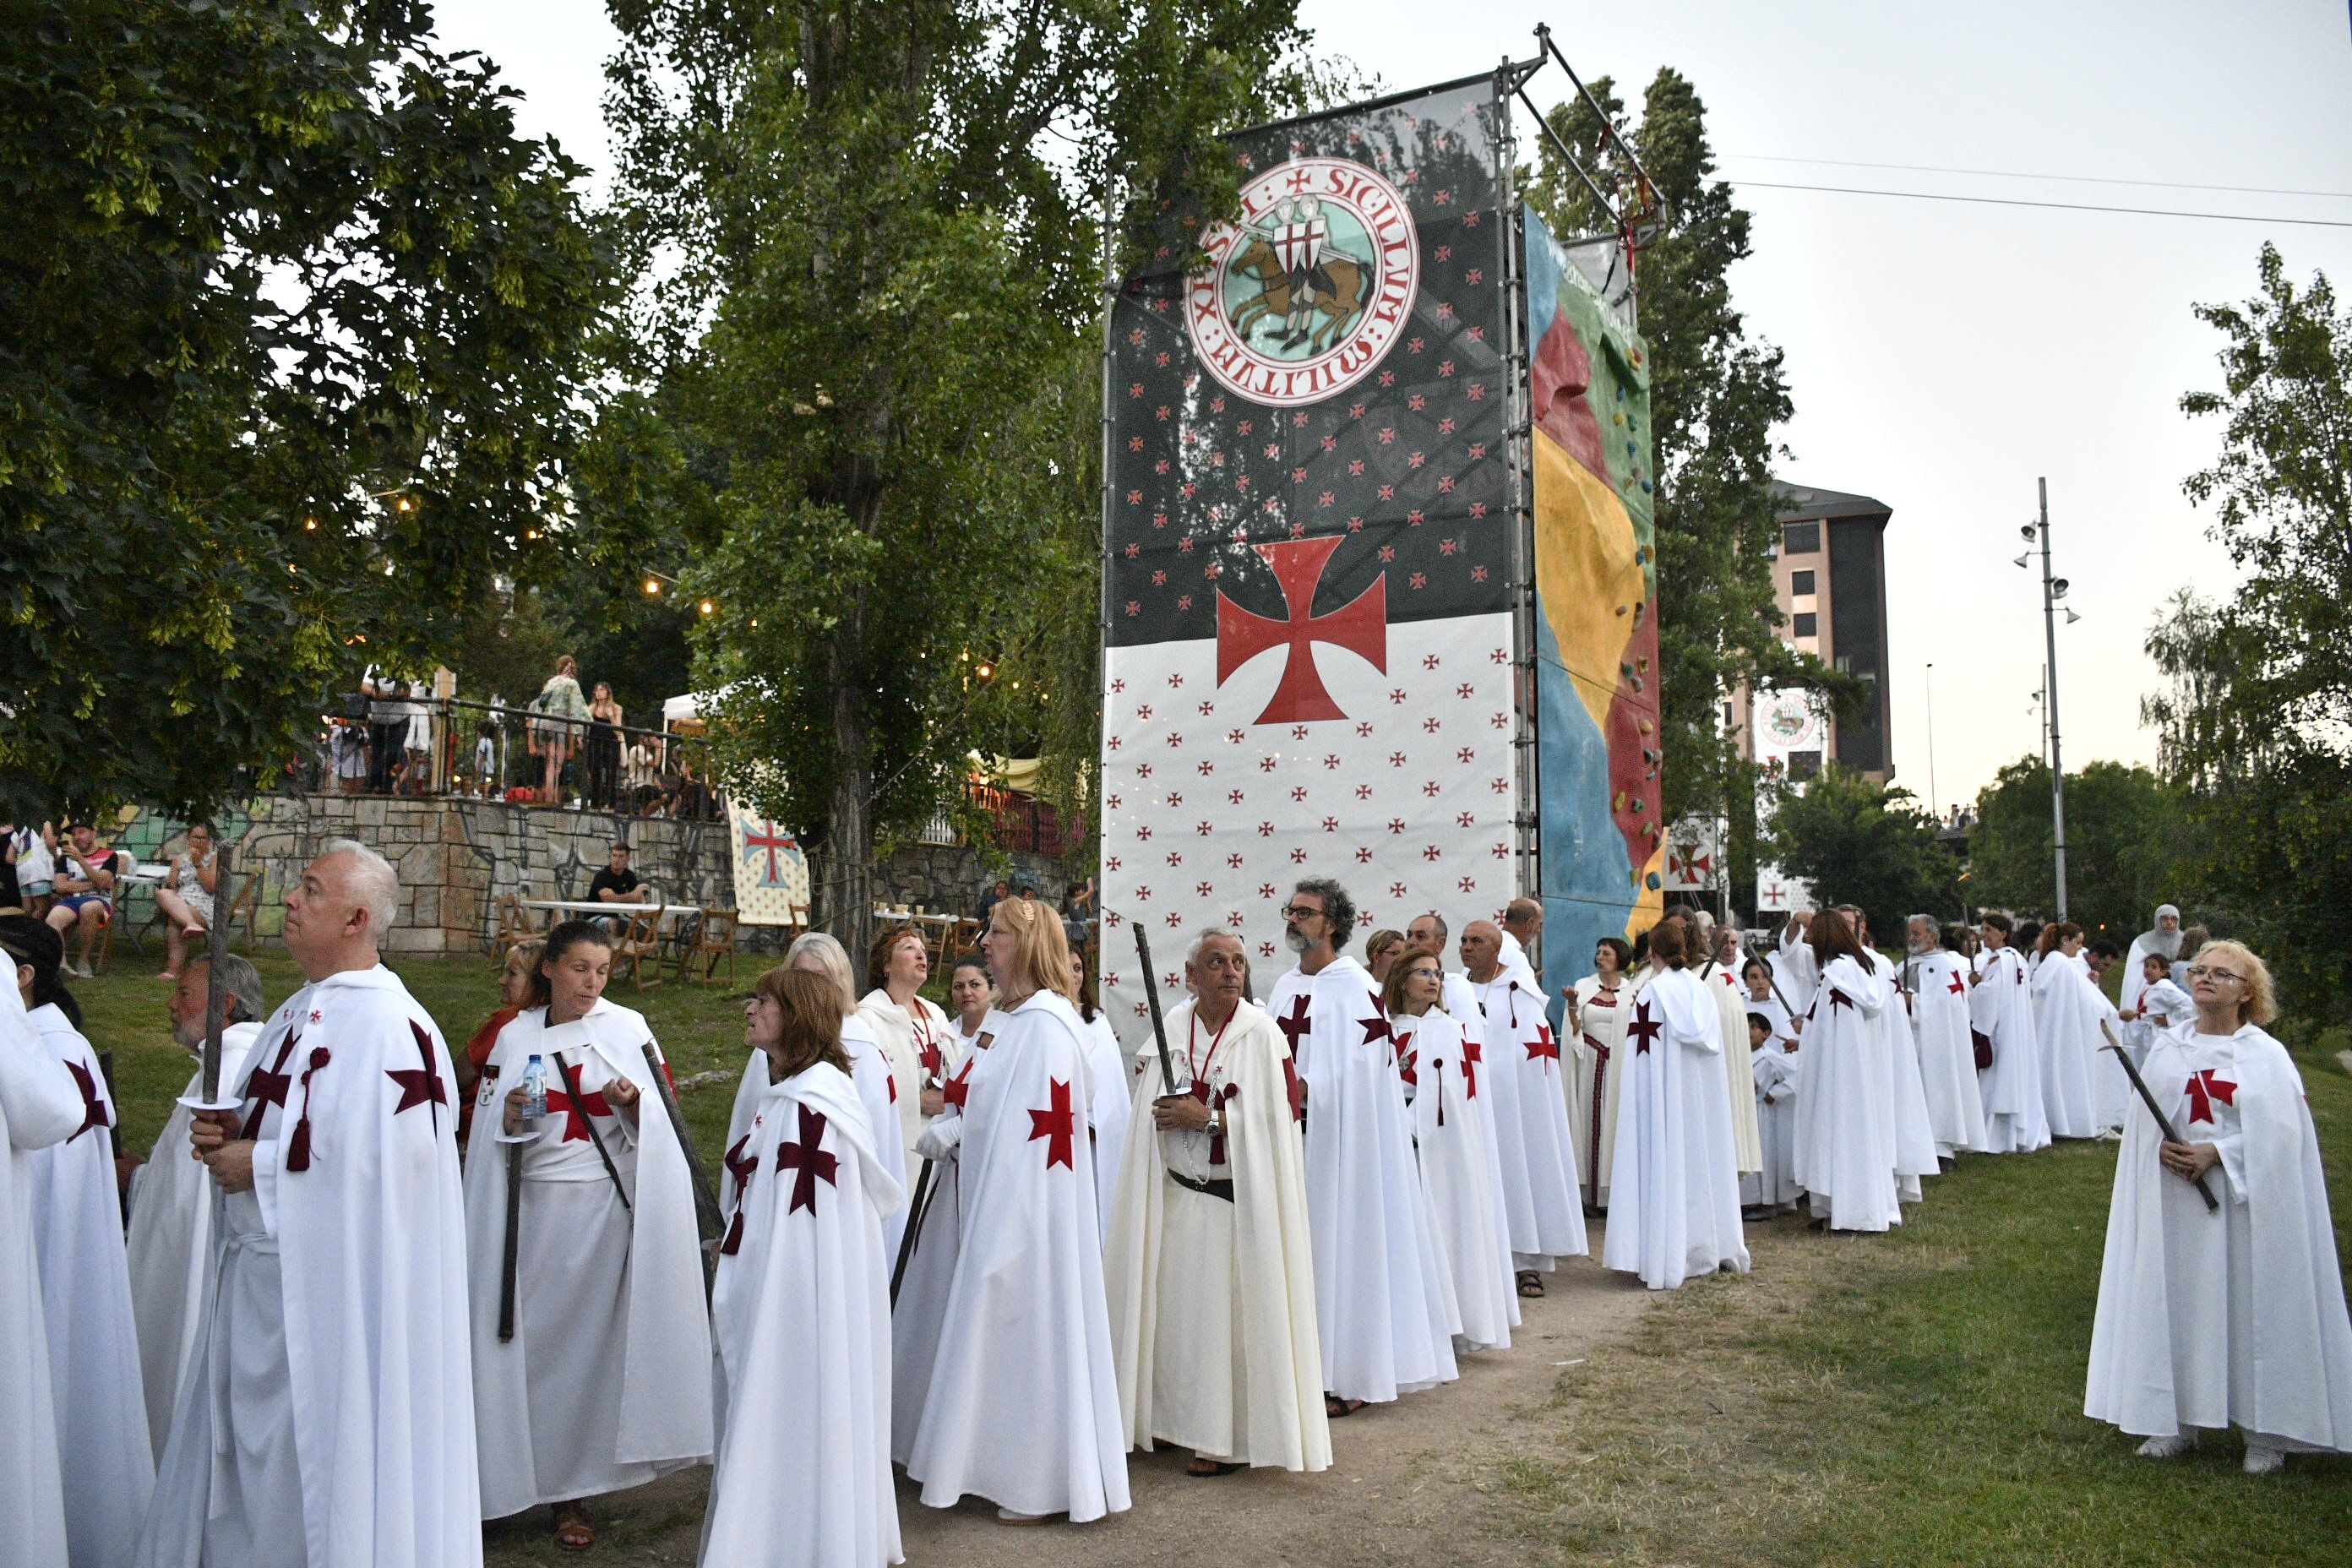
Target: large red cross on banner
(769, 839)
(1361, 627)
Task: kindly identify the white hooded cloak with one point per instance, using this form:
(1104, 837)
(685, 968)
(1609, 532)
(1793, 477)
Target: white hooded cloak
(40, 1107)
(1674, 1204)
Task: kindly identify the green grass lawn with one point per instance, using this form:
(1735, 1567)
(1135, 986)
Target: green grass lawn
(123, 1011)
(1915, 1398)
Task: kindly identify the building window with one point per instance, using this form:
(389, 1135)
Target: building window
(1807, 623)
(1801, 538)
(1804, 766)
(1801, 584)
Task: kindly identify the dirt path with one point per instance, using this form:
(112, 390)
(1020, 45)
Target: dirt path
(1405, 1485)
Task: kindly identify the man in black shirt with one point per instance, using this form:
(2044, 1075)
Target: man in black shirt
(616, 884)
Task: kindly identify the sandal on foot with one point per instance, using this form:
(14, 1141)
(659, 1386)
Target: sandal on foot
(1531, 1285)
(573, 1530)
(1207, 1467)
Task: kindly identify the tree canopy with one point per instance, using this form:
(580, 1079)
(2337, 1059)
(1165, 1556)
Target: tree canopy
(2124, 830)
(1860, 842)
(294, 346)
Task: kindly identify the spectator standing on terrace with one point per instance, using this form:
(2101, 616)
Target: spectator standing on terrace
(557, 712)
(600, 758)
(641, 774)
(186, 895)
(394, 714)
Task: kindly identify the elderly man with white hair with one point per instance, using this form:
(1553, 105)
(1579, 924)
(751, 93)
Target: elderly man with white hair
(327, 1418)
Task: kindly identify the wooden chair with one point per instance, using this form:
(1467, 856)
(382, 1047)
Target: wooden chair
(117, 914)
(639, 947)
(515, 926)
(713, 938)
(247, 902)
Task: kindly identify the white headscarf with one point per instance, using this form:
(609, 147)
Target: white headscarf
(2156, 938)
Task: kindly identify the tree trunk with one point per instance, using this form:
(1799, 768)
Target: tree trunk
(847, 904)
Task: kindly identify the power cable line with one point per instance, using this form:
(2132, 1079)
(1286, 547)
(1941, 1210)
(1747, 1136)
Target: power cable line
(2060, 206)
(2020, 174)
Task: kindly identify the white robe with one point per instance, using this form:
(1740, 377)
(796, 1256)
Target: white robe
(1795, 970)
(801, 1320)
(920, 1047)
(1457, 1173)
(2000, 1008)
(869, 1069)
(1775, 1072)
(106, 1459)
(1674, 1204)
(1598, 1047)
(1211, 1299)
(1906, 1097)
(1845, 1135)
(1937, 991)
(1537, 1153)
(603, 1386)
(1385, 1312)
(329, 1417)
(1459, 1001)
(2067, 1023)
(1731, 1004)
(1022, 1405)
(171, 1244)
(40, 1107)
(2156, 938)
(2236, 1316)
(1106, 1109)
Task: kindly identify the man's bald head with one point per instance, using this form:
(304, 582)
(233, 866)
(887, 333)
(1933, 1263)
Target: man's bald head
(1482, 949)
(1523, 918)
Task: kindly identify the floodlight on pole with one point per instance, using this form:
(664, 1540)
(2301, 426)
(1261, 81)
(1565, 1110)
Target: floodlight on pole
(2053, 588)
(2021, 560)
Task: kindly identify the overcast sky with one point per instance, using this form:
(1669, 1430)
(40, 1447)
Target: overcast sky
(1941, 356)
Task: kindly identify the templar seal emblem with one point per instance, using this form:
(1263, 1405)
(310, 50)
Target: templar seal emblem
(1308, 293)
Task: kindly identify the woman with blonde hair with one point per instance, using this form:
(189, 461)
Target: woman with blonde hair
(557, 713)
(1381, 949)
(2232, 1314)
(1021, 1405)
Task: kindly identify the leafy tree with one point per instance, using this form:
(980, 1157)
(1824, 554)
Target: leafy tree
(2124, 832)
(1717, 394)
(294, 338)
(878, 225)
(1860, 842)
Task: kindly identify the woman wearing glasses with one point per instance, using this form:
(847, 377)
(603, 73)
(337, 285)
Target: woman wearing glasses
(2231, 1316)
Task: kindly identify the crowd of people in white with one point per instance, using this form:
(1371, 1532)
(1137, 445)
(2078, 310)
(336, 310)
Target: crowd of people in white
(987, 1249)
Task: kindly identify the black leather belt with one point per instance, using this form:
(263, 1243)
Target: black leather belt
(1223, 1188)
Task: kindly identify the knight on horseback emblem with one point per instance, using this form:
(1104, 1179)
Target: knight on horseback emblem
(1308, 290)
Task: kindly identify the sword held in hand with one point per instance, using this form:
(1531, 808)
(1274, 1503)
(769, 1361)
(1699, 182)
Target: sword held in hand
(2163, 1121)
(216, 983)
(1151, 995)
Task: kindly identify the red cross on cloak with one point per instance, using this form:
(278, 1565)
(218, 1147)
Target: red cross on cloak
(958, 1088)
(813, 1163)
(2204, 1089)
(267, 1085)
(1544, 1045)
(1405, 1055)
(421, 1086)
(1473, 1053)
(1293, 1089)
(575, 1124)
(1643, 1029)
(1376, 1028)
(1958, 989)
(1360, 625)
(1057, 1126)
(93, 1108)
(1296, 1023)
(741, 1167)
(1838, 998)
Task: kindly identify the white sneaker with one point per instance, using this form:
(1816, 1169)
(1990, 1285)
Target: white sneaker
(2170, 1447)
(2262, 1460)
(81, 971)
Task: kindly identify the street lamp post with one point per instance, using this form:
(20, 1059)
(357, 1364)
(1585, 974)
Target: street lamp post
(1935, 801)
(2052, 590)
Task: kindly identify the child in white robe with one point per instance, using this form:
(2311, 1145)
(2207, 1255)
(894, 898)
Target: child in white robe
(1774, 1189)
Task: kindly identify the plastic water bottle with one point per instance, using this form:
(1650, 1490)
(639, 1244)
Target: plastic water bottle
(534, 1090)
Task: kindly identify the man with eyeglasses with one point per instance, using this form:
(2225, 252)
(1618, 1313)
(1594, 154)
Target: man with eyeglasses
(2000, 1008)
(1385, 1307)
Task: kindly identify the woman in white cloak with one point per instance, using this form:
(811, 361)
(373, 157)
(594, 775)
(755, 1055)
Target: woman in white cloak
(915, 1034)
(1108, 1109)
(1673, 1207)
(597, 1379)
(1598, 1007)
(2066, 1011)
(2233, 1316)
(1845, 1143)
(799, 1312)
(107, 1463)
(1450, 1140)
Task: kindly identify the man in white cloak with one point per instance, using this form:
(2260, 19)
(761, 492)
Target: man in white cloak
(2163, 939)
(600, 1382)
(1385, 1310)
(1598, 1007)
(801, 1315)
(2233, 1316)
(1022, 1405)
(1544, 1216)
(1936, 994)
(2000, 1008)
(1674, 1205)
(107, 1462)
(1915, 1135)
(1795, 972)
(1845, 1145)
(1720, 973)
(171, 1244)
(1210, 1272)
(40, 1107)
(333, 1349)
